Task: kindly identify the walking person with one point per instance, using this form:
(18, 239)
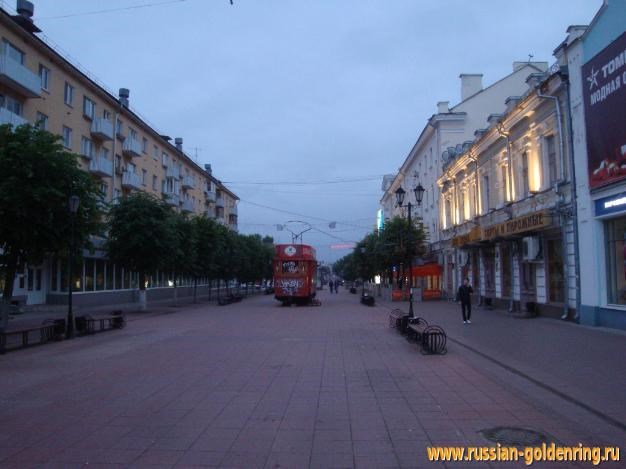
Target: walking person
(464, 295)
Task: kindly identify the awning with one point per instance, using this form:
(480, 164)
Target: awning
(427, 270)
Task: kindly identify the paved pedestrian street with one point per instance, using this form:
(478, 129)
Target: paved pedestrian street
(256, 385)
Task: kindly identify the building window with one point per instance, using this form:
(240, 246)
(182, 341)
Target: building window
(554, 259)
(86, 147)
(132, 133)
(525, 175)
(13, 52)
(485, 194)
(155, 152)
(44, 75)
(104, 153)
(616, 260)
(144, 145)
(42, 121)
(89, 108)
(116, 194)
(551, 156)
(11, 104)
(118, 164)
(106, 115)
(503, 184)
(68, 94)
(144, 176)
(155, 183)
(119, 128)
(104, 189)
(67, 137)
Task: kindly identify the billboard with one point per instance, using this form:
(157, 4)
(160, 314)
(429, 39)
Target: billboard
(604, 94)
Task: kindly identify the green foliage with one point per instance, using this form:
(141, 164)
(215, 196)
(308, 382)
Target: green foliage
(143, 234)
(378, 252)
(38, 178)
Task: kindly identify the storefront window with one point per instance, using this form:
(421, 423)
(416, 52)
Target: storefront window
(555, 271)
(505, 267)
(616, 260)
(54, 274)
(89, 271)
(99, 274)
(490, 271)
(109, 276)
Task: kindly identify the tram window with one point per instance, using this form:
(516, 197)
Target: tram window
(290, 267)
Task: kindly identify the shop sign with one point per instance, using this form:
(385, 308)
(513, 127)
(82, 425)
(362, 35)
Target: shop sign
(518, 225)
(473, 236)
(604, 93)
(612, 204)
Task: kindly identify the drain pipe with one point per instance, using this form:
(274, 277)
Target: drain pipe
(560, 203)
(574, 197)
(509, 186)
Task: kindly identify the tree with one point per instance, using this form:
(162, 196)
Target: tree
(38, 178)
(184, 259)
(143, 236)
(207, 243)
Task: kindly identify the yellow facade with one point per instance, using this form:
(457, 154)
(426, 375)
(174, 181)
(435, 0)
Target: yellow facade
(68, 103)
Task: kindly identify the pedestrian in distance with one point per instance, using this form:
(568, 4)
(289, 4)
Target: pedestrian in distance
(464, 295)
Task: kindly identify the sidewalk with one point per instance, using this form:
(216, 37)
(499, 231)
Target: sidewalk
(132, 311)
(586, 365)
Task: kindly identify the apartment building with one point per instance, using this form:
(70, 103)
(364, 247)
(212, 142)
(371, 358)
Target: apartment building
(447, 132)
(117, 146)
(506, 213)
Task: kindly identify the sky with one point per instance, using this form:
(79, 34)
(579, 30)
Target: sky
(302, 106)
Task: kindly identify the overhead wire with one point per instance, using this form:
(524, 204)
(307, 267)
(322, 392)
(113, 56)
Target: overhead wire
(110, 10)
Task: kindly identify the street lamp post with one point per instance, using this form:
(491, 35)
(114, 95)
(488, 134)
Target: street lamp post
(419, 194)
(73, 207)
(363, 279)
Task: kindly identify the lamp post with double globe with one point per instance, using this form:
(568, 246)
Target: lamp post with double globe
(419, 194)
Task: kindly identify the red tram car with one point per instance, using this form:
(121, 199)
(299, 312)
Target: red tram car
(295, 272)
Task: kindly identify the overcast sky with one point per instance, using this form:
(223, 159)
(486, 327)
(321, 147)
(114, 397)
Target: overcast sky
(293, 91)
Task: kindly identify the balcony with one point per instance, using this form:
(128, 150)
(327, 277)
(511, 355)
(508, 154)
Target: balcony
(19, 78)
(234, 211)
(7, 117)
(131, 147)
(131, 180)
(219, 201)
(102, 129)
(188, 206)
(210, 196)
(172, 172)
(188, 182)
(209, 213)
(172, 199)
(101, 167)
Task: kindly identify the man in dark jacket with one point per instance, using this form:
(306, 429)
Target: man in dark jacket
(465, 297)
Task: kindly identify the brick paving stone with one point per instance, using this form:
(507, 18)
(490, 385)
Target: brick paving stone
(306, 387)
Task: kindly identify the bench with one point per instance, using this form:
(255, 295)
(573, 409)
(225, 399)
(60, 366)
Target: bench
(87, 324)
(226, 300)
(46, 333)
(367, 300)
(396, 318)
(434, 341)
(416, 328)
